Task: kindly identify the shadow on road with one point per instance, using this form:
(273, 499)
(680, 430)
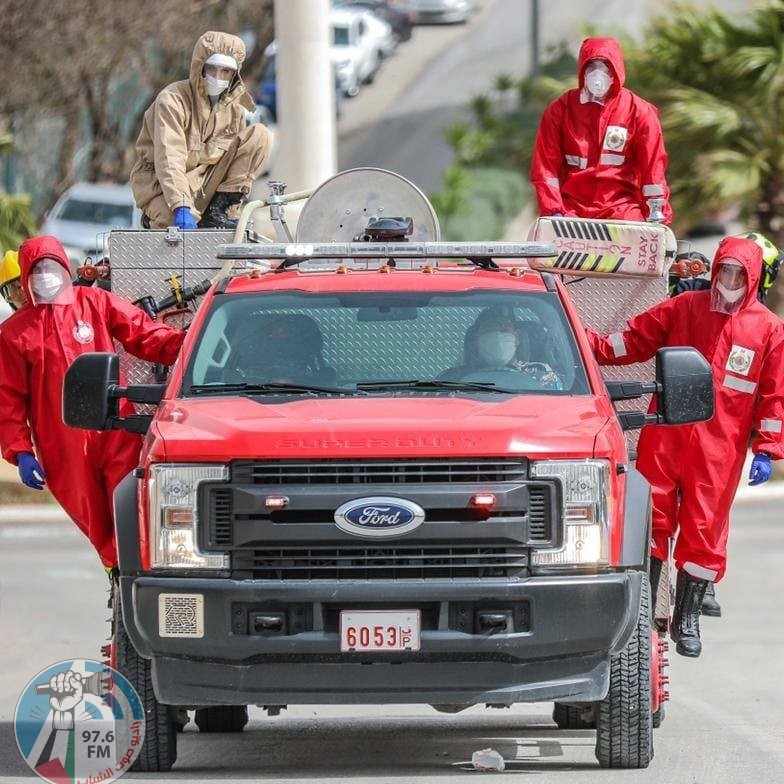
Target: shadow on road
(342, 749)
(337, 748)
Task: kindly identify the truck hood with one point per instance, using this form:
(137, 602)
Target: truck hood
(228, 428)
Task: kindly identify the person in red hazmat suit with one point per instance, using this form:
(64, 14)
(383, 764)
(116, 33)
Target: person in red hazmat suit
(599, 150)
(37, 344)
(694, 470)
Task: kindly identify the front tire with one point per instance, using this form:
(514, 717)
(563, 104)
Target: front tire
(159, 750)
(624, 726)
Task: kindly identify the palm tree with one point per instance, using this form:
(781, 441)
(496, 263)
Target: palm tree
(719, 85)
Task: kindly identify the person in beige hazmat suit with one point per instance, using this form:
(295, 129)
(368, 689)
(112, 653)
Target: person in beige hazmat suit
(196, 157)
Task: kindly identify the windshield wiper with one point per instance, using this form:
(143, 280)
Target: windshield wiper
(476, 386)
(270, 387)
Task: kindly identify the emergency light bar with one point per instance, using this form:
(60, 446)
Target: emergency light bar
(399, 250)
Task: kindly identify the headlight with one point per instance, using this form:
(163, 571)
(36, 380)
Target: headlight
(173, 496)
(587, 501)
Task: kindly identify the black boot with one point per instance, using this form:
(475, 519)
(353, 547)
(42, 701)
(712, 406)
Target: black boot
(214, 216)
(685, 629)
(709, 604)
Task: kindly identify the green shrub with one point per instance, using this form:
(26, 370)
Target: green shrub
(487, 200)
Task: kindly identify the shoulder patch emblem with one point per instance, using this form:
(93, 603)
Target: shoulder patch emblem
(740, 360)
(615, 138)
(83, 332)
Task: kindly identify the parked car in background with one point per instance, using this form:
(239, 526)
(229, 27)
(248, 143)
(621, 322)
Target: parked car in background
(360, 41)
(400, 20)
(267, 90)
(441, 11)
(84, 214)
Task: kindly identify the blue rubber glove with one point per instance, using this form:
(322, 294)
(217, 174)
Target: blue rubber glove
(183, 218)
(30, 471)
(760, 469)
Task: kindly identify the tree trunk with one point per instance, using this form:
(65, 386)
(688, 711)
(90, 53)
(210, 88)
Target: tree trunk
(72, 132)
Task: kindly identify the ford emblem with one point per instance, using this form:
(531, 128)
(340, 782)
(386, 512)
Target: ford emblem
(379, 517)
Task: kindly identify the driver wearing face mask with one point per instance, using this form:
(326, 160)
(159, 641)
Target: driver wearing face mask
(499, 342)
(195, 158)
(599, 150)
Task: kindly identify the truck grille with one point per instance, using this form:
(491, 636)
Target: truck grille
(221, 516)
(373, 472)
(380, 563)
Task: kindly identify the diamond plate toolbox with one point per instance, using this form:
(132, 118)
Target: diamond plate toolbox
(143, 261)
(605, 305)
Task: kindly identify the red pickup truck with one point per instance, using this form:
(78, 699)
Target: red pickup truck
(387, 485)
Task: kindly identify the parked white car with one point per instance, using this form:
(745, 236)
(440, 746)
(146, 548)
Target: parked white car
(425, 11)
(360, 41)
(86, 212)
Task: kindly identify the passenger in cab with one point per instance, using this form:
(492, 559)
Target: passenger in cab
(599, 150)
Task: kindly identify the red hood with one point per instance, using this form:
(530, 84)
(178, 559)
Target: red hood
(222, 429)
(608, 49)
(35, 249)
(749, 254)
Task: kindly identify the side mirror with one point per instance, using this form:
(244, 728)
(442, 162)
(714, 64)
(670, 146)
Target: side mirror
(92, 391)
(86, 400)
(686, 386)
(683, 389)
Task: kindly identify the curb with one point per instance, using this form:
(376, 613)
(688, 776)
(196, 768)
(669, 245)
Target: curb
(32, 513)
(767, 492)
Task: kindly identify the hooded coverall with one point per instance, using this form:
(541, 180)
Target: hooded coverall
(188, 150)
(600, 160)
(37, 345)
(694, 470)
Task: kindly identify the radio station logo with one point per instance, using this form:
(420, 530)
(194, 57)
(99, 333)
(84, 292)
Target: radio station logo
(79, 722)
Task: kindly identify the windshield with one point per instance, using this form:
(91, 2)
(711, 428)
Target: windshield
(401, 342)
(102, 213)
(340, 35)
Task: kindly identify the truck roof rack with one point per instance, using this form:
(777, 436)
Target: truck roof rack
(479, 253)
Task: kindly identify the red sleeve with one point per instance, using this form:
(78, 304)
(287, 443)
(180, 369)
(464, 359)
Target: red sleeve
(652, 161)
(139, 334)
(769, 406)
(547, 160)
(643, 337)
(15, 436)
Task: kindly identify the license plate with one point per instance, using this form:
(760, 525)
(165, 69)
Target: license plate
(379, 630)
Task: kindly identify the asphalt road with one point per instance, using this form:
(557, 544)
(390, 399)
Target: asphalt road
(724, 724)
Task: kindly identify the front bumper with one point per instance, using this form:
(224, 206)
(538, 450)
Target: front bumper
(572, 624)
